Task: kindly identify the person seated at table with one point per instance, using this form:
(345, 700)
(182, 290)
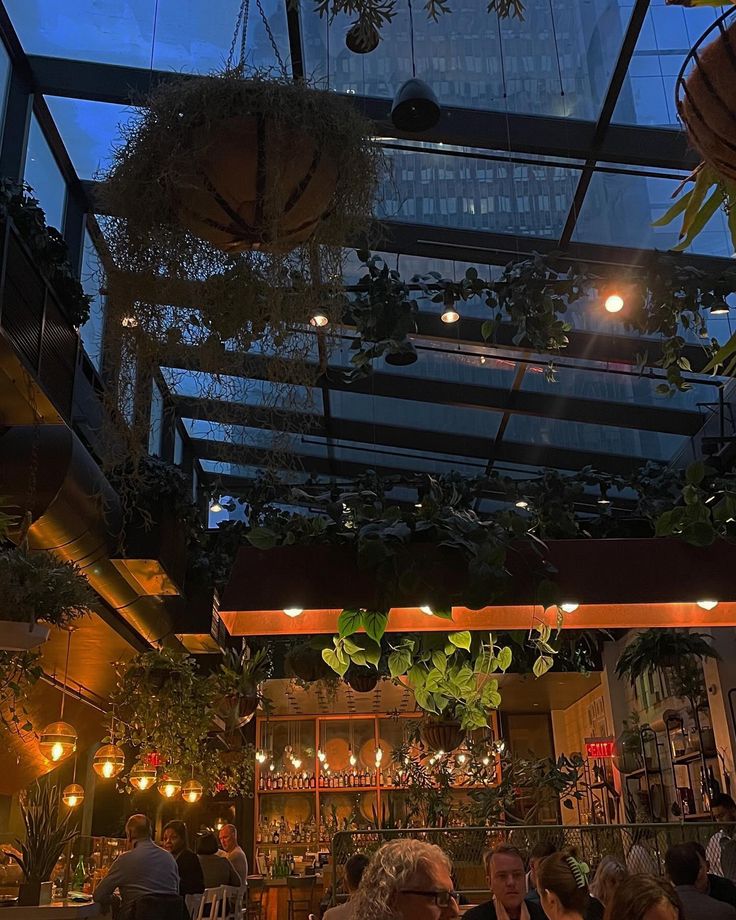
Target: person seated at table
(562, 881)
(644, 897)
(608, 876)
(685, 869)
(175, 840)
(506, 877)
(718, 887)
(235, 853)
(354, 869)
(539, 852)
(407, 879)
(146, 869)
(215, 869)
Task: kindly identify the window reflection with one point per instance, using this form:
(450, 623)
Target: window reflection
(44, 176)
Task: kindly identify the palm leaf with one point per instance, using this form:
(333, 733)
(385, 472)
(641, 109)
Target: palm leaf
(46, 833)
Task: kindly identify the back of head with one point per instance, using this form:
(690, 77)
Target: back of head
(388, 872)
(354, 869)
(207, 844)
(637, 894)
(138, 827)
(542, 850)
(610, 872)
(562, 875)
(682, 864)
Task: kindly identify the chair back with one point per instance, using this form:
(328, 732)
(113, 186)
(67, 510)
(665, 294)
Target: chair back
(159, 907)
(213, 905)
(300, 884)
(233, 900)
(193, 901)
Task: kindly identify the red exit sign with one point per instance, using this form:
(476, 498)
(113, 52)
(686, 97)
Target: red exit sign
(600, 747)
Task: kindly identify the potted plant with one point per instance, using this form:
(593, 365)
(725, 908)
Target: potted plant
(38, 591)
(361, 678)
(46, 836)
(239, 682)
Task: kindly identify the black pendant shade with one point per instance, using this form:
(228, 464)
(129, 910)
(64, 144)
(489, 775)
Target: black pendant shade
(401, 358)
(361, 43)
(415, 106)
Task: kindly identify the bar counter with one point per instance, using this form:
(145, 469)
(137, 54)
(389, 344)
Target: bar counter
(276, 899)
(56, 910)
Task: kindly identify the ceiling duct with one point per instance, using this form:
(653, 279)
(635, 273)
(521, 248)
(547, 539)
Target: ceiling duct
(76, 513)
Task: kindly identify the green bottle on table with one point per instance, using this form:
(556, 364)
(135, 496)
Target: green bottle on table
(80, 874)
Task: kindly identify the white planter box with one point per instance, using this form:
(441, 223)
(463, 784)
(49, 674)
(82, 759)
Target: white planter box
(20, 637)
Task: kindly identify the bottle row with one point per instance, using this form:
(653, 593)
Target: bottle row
(355, 779)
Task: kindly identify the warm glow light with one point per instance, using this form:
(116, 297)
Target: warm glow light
(57, 741)
(296, 762)
(261, 756)
(450, 315)
(322, 756)
(440, 754)
(379, 755)
(108, 761)
(718, 308)
(293, 611)
(486, 761)
(192, 791)
(319, 320)
(129, 322)
(708, 605)
(215, 507)
(522, 503)
(461, 758)
(427, 610)
(169, 786)
(569, 606)
(614, 303)
(142, 776)
(73, 795)
(271, 766)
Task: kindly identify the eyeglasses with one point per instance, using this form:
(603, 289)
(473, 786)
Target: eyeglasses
(440, 898)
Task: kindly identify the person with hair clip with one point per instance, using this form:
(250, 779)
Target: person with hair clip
(563, 886)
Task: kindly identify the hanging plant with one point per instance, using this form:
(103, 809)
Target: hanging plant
(239, 685)
(38, 591)
(19, 672)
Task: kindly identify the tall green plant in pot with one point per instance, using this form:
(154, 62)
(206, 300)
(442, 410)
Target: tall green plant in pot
(239, 682)
(46, 836)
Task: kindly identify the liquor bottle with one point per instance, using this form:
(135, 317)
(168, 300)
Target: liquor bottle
(299, 782)
(312, 781)
(280, 782)
(80, 875)
(276, 836)
(340, 780)
(351, 780)
(261, 783)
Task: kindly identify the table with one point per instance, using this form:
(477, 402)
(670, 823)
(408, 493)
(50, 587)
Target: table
(56, 910)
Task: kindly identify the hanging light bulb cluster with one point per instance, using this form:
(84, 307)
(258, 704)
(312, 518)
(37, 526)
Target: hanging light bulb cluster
(59, 739)
(261, 756)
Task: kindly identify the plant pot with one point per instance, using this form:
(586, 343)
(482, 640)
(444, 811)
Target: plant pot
(29, 893)
(252, 183)
(708, 102)
(237, 710)
(442, 734)
(307, 664)
(20, 637)
(362, 44)
(362, 681)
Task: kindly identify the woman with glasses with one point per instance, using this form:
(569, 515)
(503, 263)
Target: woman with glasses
(407, 880)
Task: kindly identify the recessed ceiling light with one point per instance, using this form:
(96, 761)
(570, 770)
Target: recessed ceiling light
(569, 606)
(707, 605)
(293, 611)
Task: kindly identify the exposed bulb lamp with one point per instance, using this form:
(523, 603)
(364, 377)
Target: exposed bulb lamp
(293, 612)
(614, 303)
(707, 605)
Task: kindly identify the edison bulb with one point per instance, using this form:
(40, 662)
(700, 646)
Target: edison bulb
(353, 760)
(57, 751)
(614, 303)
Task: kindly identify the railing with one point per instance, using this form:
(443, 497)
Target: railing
(641, 847)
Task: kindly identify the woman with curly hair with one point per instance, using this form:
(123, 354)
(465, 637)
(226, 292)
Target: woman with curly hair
(407, 880)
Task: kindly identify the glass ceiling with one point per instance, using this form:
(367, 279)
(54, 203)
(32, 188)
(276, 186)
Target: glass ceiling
(465, 405)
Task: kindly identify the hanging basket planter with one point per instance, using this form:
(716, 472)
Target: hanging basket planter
(362, 680)
(706, 95)
(21, 637)
(442, 734)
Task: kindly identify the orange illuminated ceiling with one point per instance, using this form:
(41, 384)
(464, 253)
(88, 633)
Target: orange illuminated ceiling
(497, 619)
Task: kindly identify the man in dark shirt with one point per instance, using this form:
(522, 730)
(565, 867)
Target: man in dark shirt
(506, 876)
(684, 868)
(175, 840)
(722, 889)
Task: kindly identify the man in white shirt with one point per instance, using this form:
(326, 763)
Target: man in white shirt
(723, 809)
(146, 869)
(354, 869)
(235, 853)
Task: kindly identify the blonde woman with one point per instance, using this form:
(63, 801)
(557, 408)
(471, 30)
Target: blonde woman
(608, 876)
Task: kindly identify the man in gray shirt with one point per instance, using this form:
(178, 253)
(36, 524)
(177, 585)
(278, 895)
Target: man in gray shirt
(235, 853)
(144, 870)
(684, 868)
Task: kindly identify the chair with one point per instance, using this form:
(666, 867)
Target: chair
(213, 905)
(233, 901)
(193, 901)
(255, 899)
(301, 894)
(159, 907)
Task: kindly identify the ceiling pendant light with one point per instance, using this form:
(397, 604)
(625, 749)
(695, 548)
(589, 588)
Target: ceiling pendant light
(215, 506)
(415, 106)
(318, 319)
(142, 776)
(73, 794)
(192, 791)
(719, 308)
(59, 739)
(109, 761)
(569, 606)
(449, 310)
(169, 785)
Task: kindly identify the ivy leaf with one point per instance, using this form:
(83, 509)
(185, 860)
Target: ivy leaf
(416, 676)
(375, 623)
(487, 329)
(461, 639)
(399, 662)
(349, 622)
(439, 660)
(372, 653)
(263, 537)
(542, 665)
(331, 658)
(695, 473)
(504, 658)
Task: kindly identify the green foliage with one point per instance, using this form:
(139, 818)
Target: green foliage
(46, 832)
(47, 246)
(19, 673)
(36, 586)
(655, 649)
(710, 191)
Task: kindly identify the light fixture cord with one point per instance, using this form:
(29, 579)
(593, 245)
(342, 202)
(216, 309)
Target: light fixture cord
(66, 671)
(411, 33)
